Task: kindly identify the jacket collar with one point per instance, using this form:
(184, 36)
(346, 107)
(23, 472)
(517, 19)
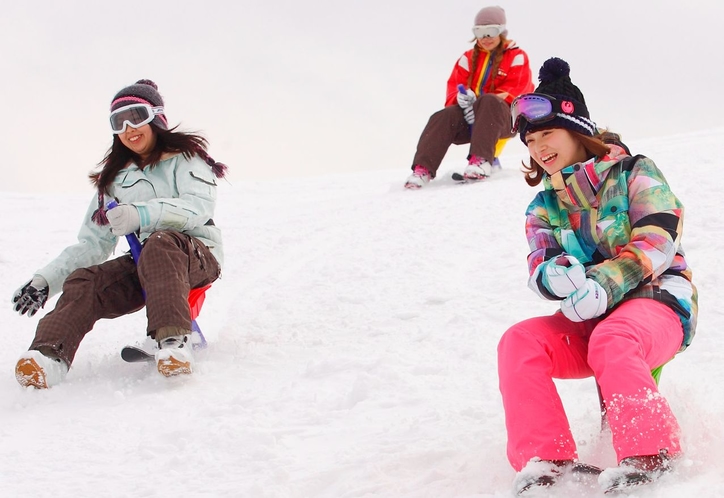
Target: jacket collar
(577, 186)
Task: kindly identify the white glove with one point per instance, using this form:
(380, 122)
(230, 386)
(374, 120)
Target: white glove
(469, 115)
(466, 101)
(563, 275)
(589, 301)
(124, 219)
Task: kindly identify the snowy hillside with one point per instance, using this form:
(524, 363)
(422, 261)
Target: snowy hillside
(352, 348)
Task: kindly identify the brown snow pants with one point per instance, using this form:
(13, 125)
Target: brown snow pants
(171, 264)
(448, 126)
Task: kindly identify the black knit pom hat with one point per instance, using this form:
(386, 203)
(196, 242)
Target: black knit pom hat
(555, 80)
(141, 92)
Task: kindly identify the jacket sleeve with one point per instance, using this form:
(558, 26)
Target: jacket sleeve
(542, 243)
(194, 205)
(518, 80)
(656, 220)
(95, 245)
(459, 75)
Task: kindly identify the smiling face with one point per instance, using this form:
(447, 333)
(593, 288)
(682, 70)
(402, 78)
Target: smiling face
(140, 140)
(489, 43)
(554, 149)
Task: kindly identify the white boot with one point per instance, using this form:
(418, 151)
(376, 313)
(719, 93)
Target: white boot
(175, 356)
(418, 179)
(39, 371)
(478, 169)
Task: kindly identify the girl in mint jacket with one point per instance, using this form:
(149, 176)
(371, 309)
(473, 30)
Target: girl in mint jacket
(164, 183)
(605, 241)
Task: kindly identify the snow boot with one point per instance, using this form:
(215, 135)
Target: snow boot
(419, 178)
(477, 169)
(175, 356)
(34, 369)
(635, 471)
(538, 474)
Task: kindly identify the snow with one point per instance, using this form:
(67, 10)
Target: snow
(352, 347)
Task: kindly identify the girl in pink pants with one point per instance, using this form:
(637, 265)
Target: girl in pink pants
(605, 241)
(619, 351)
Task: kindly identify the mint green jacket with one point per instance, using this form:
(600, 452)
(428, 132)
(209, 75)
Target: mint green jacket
(176, 194)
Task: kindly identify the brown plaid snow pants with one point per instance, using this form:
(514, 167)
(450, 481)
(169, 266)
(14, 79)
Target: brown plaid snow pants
(448, 126)
(171, 264)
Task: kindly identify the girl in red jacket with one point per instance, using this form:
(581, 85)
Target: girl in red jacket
(493, 73)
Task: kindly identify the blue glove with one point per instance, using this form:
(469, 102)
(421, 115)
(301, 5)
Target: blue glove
(563, 275)
(589, 301)
(466, 101)
(31, 296)
(124, 219)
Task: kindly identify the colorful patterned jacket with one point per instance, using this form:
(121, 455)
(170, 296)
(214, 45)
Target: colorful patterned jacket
(513, 77)
(620, 219)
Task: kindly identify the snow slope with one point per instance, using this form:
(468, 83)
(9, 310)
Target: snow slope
(352, 348)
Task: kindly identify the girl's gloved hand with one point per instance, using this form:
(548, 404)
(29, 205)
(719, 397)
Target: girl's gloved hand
(563, 275)
(31, 296)
(466, 101)
(589, 301)
(124, 219)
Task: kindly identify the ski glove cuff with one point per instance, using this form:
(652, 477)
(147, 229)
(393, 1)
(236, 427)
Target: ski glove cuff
(589, 301)
(124, 219)
(563, 275)
(31, 296)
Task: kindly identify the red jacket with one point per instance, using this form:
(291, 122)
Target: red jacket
(513, 78)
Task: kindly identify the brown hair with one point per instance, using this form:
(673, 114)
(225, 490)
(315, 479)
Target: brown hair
(595, 147)
(118, 156)
(497, 56)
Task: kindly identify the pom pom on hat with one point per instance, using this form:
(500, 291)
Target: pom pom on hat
(552, 69)
(555, 79)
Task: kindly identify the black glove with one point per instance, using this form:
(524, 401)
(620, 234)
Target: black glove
(31, 296)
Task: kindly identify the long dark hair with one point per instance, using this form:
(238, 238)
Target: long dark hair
(119, 156)
(497, 56)
(595, 147)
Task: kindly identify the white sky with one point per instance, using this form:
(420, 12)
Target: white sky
(289, 88)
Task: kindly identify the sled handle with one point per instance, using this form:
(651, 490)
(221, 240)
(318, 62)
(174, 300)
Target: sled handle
(133, 241)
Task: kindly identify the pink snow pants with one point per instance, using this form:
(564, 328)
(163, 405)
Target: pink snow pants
(619, 351)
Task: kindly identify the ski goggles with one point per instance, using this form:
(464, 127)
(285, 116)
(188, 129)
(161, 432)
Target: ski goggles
(539, 108)
(488, 30)
(134, 115)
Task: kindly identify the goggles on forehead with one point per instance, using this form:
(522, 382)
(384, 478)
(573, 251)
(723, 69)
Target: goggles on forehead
(134, 115)
(539, 108)
(488, 30)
